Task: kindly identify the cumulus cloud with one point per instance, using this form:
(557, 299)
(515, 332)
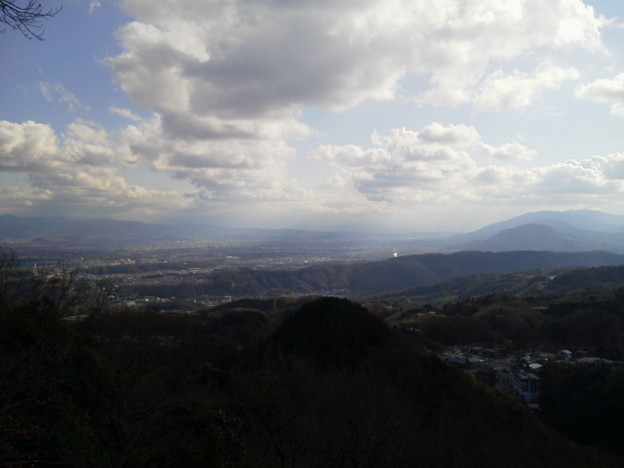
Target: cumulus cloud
(80, 166)
(247, 59)
(519, 90)
(605, 91)
(28, 146)
(613, 166)
(410, 167)
(511, 151)
(236, 172)
(74, 169)
(472, 36)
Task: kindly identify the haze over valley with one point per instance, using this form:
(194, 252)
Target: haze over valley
(179, 264)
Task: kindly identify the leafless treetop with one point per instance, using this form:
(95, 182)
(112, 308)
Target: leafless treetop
(26, 16)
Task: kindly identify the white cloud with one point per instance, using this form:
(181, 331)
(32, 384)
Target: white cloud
(74, 170)
(226, 84)
(519, 90)
(123, 112)
(510, 151)
(477, 35)
(26, 146)
(459, 135)
(606, 91)
(613, 166)
(403, 167)
(94, 5)
(245, 59)
(57, 93)
(20, 199)
(408, 165)
(80, 165)
(570, 183)
(227, 81)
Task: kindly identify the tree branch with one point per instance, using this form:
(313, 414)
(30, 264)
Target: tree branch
(25, 16)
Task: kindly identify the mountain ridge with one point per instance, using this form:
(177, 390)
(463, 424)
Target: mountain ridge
(578, 230)
(561, 220)
(573, 230)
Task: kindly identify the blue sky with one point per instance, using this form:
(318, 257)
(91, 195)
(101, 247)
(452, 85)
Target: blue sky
(362, 114)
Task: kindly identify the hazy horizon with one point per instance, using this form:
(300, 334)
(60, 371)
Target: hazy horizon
(387, 115)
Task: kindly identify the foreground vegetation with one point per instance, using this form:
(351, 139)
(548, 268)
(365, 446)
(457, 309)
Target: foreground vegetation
(308, 382)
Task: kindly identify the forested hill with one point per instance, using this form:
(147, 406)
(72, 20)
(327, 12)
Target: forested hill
(361, 279)
(331, 386)
(558, 281)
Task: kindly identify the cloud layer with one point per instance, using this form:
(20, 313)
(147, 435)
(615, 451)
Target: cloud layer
(225, 85)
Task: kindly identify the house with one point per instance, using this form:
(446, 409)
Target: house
(527, 385)
(520, 384)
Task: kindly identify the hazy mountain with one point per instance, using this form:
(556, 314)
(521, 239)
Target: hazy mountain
(567, 231)
(571, 221)
(48, 228)
(542, 237)
(545, 230)
(16, 227)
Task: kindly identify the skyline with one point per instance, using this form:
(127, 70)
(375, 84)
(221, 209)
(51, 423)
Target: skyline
(363, 114)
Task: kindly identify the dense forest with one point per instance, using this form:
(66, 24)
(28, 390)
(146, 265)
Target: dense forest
(294, 382)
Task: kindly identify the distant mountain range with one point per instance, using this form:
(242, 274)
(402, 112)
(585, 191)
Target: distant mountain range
(559, 231)
(41, 228)
(571, 231)
(58, 229)
(535, 236)
(563, 220)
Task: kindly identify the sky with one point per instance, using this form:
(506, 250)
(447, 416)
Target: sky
(395, 115)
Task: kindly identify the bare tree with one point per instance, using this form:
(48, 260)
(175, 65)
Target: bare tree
(26, 16)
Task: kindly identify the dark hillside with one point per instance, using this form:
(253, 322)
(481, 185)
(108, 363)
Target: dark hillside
(393, 406)
(596, 279)
(330, 332)
(331, 387)
(60, 403)
(558, 281)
